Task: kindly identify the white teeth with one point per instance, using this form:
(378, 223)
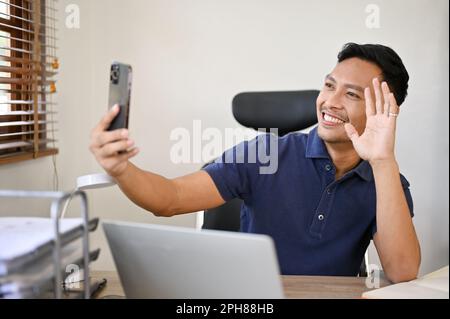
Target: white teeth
(329, 118)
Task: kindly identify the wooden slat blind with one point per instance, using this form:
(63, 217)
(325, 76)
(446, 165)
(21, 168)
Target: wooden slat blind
(28, 66)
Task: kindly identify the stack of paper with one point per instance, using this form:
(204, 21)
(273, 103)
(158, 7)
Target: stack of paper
(26, 259)
(431, 286)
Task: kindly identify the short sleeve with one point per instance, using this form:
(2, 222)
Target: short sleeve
(409, 200)
(229, 173)
(235, 172)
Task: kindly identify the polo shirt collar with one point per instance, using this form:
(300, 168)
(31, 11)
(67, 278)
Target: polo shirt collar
(315, 148)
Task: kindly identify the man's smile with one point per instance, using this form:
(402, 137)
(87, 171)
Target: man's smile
(329, 119)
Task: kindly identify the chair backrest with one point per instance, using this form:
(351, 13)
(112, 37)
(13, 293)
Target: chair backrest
(286, 111)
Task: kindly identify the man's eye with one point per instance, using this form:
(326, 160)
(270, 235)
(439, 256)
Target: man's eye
(329, 85)
(353, 95)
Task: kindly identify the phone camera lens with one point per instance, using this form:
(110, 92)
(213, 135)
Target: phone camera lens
(115, 74)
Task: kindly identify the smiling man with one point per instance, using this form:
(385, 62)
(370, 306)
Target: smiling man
(335, 189)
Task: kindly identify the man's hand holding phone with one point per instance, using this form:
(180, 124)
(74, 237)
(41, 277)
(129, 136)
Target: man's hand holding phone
(112, 149)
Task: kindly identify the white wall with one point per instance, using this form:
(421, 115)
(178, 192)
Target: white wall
(191, 57)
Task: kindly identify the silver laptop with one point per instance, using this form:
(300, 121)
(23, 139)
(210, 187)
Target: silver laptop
(163, 262)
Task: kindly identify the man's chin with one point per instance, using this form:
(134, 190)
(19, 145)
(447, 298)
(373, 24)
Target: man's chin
(332, 135)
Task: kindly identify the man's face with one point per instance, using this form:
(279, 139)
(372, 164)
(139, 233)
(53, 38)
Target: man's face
(342, 99)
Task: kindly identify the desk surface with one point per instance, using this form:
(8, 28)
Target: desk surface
(296, 287)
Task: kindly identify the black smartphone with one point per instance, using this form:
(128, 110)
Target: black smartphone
(120, 80)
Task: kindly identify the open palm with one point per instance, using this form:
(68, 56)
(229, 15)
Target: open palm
(378, 139)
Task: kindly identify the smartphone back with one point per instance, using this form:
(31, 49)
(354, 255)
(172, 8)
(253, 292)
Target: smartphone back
(120, 93)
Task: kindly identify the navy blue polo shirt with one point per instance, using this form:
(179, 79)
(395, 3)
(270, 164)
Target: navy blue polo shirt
(320, 226)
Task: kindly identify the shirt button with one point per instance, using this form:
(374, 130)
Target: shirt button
(328, 167)
(321, 217)
(329, 191)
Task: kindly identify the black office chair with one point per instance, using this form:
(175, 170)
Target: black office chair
(286, 111)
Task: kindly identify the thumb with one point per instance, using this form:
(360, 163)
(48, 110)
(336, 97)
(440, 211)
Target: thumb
(109, 117)
(351, 132)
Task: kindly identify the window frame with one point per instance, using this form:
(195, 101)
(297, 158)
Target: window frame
(31, 84)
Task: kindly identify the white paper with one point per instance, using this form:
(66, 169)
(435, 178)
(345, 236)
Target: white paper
(20, 236)
(431, 286)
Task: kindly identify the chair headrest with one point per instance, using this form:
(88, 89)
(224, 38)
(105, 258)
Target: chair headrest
(287, 111)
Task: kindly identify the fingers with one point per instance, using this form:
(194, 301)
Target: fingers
(386, 93)
(119, 159)
(126, 156)
(378, 96)
(107, 119)
(105, 137)
(113, 149)
(391, 108)
(101, 137)
(370, 108)
(394, 108)
(351, 132)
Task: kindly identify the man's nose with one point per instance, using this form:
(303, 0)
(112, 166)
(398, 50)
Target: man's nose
(335, 100)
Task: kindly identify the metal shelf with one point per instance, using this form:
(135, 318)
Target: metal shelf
(55, 281)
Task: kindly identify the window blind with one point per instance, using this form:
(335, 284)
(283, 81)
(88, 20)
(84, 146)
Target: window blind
(28, 67)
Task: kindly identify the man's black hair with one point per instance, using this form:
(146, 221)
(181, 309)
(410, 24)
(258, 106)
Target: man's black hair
(394, 72)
